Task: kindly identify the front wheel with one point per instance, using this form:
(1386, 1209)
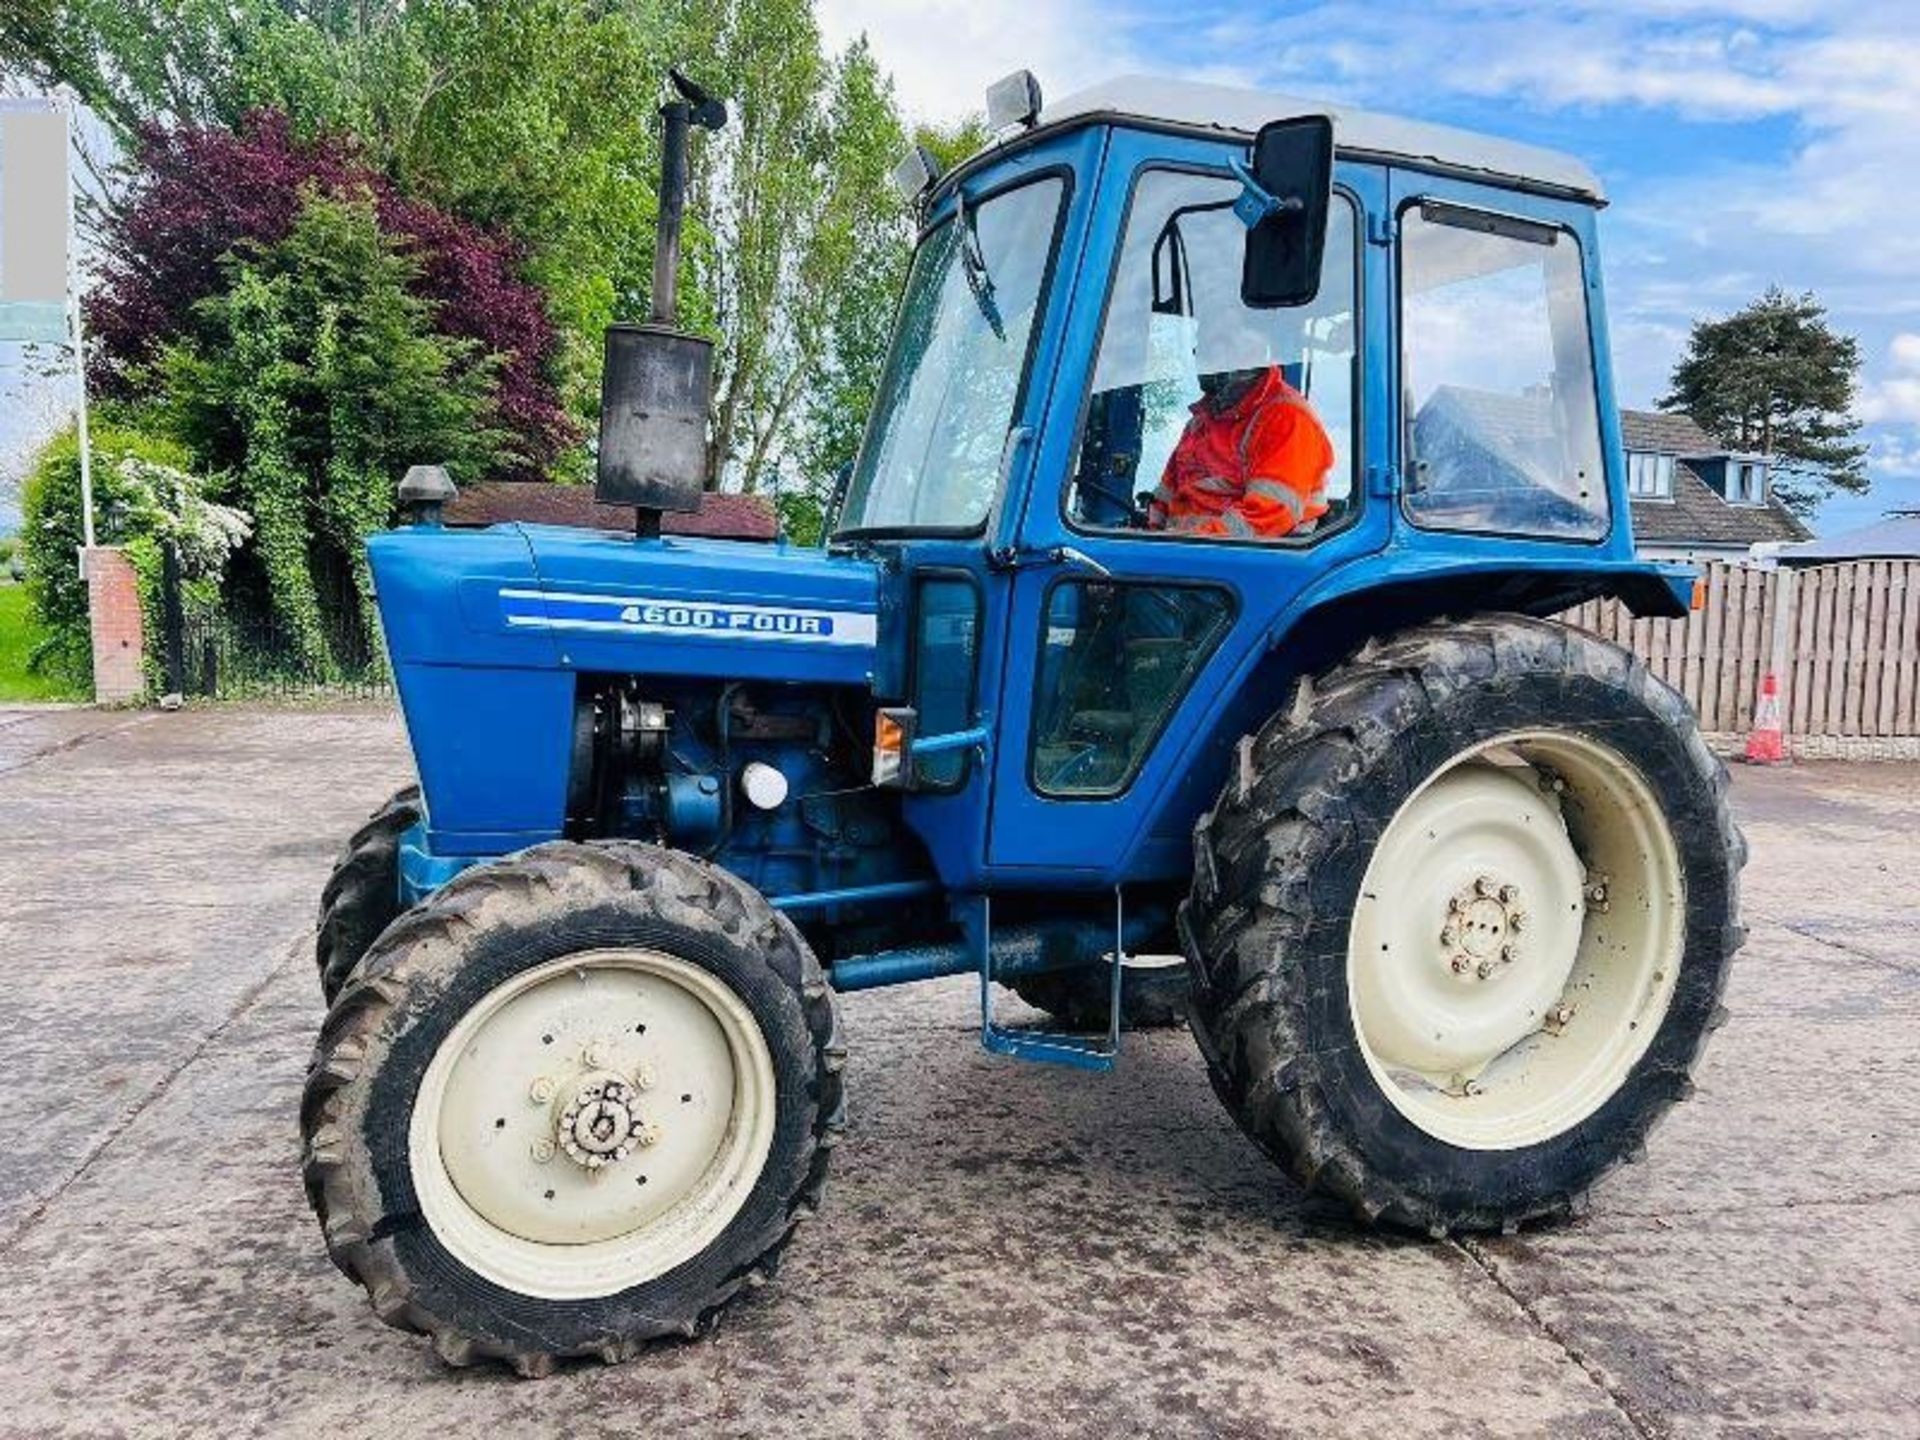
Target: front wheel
(576, 1100)
(1462, 921)
(362, 895)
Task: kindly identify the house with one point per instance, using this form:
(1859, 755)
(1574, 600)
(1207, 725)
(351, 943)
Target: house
(1693, 498)
(493, 502)
(1897, 537)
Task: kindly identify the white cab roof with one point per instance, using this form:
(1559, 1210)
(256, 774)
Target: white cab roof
(1235, 111)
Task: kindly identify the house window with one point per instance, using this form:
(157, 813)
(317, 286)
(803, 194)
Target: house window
(1649, 476)
(1747, 482)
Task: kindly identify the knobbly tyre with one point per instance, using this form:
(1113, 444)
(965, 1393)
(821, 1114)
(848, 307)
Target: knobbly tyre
(1455, 885)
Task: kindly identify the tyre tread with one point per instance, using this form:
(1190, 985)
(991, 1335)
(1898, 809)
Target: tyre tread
(1255, 856)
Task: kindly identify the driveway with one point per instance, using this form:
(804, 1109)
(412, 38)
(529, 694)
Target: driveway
(1006, 1249)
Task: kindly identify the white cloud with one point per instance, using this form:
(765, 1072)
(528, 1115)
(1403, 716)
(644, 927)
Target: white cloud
(1894, 398)
(943, 54)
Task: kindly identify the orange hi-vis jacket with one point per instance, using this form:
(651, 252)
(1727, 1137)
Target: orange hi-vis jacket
(1257, 470)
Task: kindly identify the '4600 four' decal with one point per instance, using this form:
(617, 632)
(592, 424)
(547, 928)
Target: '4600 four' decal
(650, 615)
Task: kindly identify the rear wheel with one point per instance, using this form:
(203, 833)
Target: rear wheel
(1461, 924)
(1153, 993)
(362, 895)
(575, 1101)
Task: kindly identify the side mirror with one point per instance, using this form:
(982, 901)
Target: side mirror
(1292, 173)
(653, 418)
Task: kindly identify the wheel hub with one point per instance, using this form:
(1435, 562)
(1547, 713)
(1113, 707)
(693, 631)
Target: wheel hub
(601, 1123)
(1474, 863)
(610, 1104)
(1481, 933)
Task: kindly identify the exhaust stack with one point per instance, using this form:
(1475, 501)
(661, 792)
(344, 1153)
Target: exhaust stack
(657, 385)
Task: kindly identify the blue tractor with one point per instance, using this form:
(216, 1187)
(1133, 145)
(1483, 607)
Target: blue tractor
(1450, 888)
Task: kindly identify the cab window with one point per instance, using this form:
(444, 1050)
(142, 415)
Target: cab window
(933, 448)
(1208, 419)
(1502, 428)
(1115, 659)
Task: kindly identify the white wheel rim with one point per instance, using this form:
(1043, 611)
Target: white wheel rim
(592, 1123)
(1517, 940)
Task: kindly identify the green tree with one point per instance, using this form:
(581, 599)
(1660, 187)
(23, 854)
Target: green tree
(313, 380)
(541, 118)
(1775, 379)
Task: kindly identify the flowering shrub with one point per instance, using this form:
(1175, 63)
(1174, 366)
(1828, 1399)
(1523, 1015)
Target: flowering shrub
(144, 495)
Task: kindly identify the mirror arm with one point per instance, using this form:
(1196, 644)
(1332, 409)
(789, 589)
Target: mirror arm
(1256, 203)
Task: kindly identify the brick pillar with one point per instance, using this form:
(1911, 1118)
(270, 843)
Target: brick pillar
(113, 604)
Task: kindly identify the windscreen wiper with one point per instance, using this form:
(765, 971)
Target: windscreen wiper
(973, 264)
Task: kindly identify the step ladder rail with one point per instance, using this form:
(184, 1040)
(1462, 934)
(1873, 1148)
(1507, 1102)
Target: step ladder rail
(1083, 1052)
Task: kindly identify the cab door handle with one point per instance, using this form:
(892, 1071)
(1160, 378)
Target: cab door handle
(1016, 557)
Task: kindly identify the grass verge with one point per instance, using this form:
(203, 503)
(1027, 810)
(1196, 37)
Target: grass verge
(19, 633)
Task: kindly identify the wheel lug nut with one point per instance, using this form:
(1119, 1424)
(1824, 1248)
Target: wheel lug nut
(644, 1078)
(542, 1150)
(541, 1091)
(1484, 969)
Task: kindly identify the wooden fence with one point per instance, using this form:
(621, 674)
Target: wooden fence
(1842, 640)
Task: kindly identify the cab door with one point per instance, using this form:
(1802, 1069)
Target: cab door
(1124, 643)
(950, 451)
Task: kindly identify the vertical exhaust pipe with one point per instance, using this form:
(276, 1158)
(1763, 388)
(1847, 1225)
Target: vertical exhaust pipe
(656, 387)
(695, 107)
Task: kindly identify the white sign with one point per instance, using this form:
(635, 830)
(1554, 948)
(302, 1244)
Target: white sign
(34, 218)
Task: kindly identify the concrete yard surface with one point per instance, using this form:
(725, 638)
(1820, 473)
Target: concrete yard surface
(1006, 1249)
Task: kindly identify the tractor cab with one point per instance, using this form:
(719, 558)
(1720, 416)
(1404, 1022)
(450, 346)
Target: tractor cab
(1426, 303)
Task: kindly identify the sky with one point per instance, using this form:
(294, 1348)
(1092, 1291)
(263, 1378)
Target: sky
(1743, 143)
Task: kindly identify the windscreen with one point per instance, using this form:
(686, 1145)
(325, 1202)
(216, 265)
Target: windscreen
(931, 458)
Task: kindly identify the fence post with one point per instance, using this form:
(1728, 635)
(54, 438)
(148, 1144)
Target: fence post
(173, 624)
(1780, 656)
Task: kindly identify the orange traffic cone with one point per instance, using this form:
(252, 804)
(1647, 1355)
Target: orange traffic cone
(1766, 744)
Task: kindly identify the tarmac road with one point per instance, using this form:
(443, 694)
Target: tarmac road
(1006, 1249)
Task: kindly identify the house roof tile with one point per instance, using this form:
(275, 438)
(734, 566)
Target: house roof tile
(1663, 434)
(1697, 515)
